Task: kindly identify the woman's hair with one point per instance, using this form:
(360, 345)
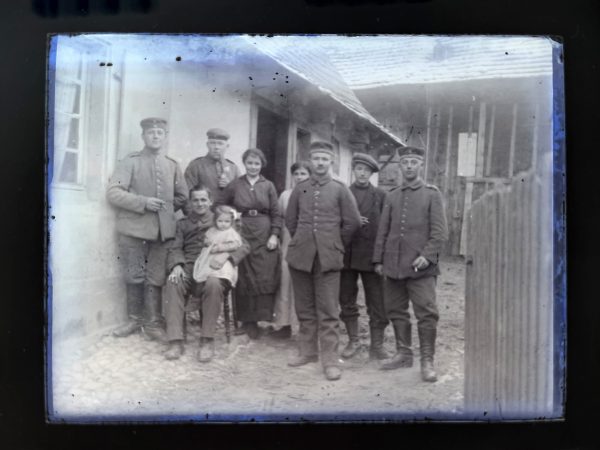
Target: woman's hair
(301, 165)
(255, 152)
(223, 209)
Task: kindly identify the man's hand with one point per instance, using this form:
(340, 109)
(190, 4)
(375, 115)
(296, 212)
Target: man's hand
(223, 182)
(273, 242)
(177, 274)
(420, 263)
(154, 204)
(379, 269)
(364, 220)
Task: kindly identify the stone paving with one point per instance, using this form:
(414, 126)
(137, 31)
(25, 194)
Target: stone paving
(129, 378)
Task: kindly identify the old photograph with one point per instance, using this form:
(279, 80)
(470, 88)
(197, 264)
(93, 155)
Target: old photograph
(304, 227)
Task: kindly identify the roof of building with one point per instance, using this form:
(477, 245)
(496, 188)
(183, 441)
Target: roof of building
(374, 61)
(308, 60)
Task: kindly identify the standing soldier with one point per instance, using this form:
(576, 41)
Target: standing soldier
(147, 188)
(357, 262)
(322, 217)
(213, 170)
(411, 233)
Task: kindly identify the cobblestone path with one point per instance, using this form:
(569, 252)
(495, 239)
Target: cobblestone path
(120, 379)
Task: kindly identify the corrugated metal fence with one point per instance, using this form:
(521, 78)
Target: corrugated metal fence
(509, 302)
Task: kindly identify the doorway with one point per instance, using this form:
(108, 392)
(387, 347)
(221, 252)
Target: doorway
(272, 139)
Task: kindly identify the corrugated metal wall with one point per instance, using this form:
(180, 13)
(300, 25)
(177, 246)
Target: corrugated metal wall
(509, 311)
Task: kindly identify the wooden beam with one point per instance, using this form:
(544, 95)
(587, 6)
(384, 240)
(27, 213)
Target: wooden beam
(490, 149)
(513, 137)
(448, 150)
(465, 218)
(470, 129)
(427, 143)
(479, 158)
(435, 144)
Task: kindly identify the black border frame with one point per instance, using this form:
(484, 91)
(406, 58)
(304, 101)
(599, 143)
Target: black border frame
(24, 28)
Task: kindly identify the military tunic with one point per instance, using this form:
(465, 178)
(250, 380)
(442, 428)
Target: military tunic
(358, 260)
(322, 217)
(143, 233)
(207, 171)
(413, 224)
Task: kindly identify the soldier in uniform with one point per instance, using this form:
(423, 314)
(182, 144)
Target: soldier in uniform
(182, 255)
(357, 262)
(147, 187)
(321, 217)
(411, 233)
(213, 170)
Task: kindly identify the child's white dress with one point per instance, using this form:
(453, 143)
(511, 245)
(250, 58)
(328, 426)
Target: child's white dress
(226, 241)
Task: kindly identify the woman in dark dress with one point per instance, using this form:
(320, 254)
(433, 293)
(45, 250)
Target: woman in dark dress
(259, 273)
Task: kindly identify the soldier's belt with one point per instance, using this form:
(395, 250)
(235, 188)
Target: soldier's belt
(253, 213)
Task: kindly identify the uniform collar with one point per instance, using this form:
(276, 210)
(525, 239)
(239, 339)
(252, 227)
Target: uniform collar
(414, 185)
(212, 160)
(320, 181)
(206, 219)
(147, 152)
(364, 188)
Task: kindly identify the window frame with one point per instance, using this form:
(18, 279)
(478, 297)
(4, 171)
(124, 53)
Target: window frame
(83, 117)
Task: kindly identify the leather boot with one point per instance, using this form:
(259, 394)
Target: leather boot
(376, 351)
(404, 356)
(427, 343)
(153, 327)
(175, 350)
(206, 352)
(135, 307)
(353, 345)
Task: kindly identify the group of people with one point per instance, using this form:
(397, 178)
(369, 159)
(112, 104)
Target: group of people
(291, 258)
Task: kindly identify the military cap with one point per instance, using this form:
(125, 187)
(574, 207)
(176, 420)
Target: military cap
(365, 159)
(153, 122)
(413, 152)
(217, 133)
(321, 147)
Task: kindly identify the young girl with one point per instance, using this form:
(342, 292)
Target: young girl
(219, 240)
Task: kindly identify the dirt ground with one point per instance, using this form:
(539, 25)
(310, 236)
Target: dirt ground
(111, 378)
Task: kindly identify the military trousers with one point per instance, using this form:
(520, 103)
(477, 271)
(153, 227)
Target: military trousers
(419, 291)
(143, 262)
(211, 294)
(373, 287)
(316, 296)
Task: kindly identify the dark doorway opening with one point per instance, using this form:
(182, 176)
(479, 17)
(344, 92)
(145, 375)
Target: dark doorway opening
(303, 145)
(272, 139)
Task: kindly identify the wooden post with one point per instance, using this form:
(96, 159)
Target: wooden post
(480, 141)
(427, 143)
(490, 149)
(513, 136)
(435, 144)
(448, 150)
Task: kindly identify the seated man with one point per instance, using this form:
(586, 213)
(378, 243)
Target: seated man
(186, 248)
